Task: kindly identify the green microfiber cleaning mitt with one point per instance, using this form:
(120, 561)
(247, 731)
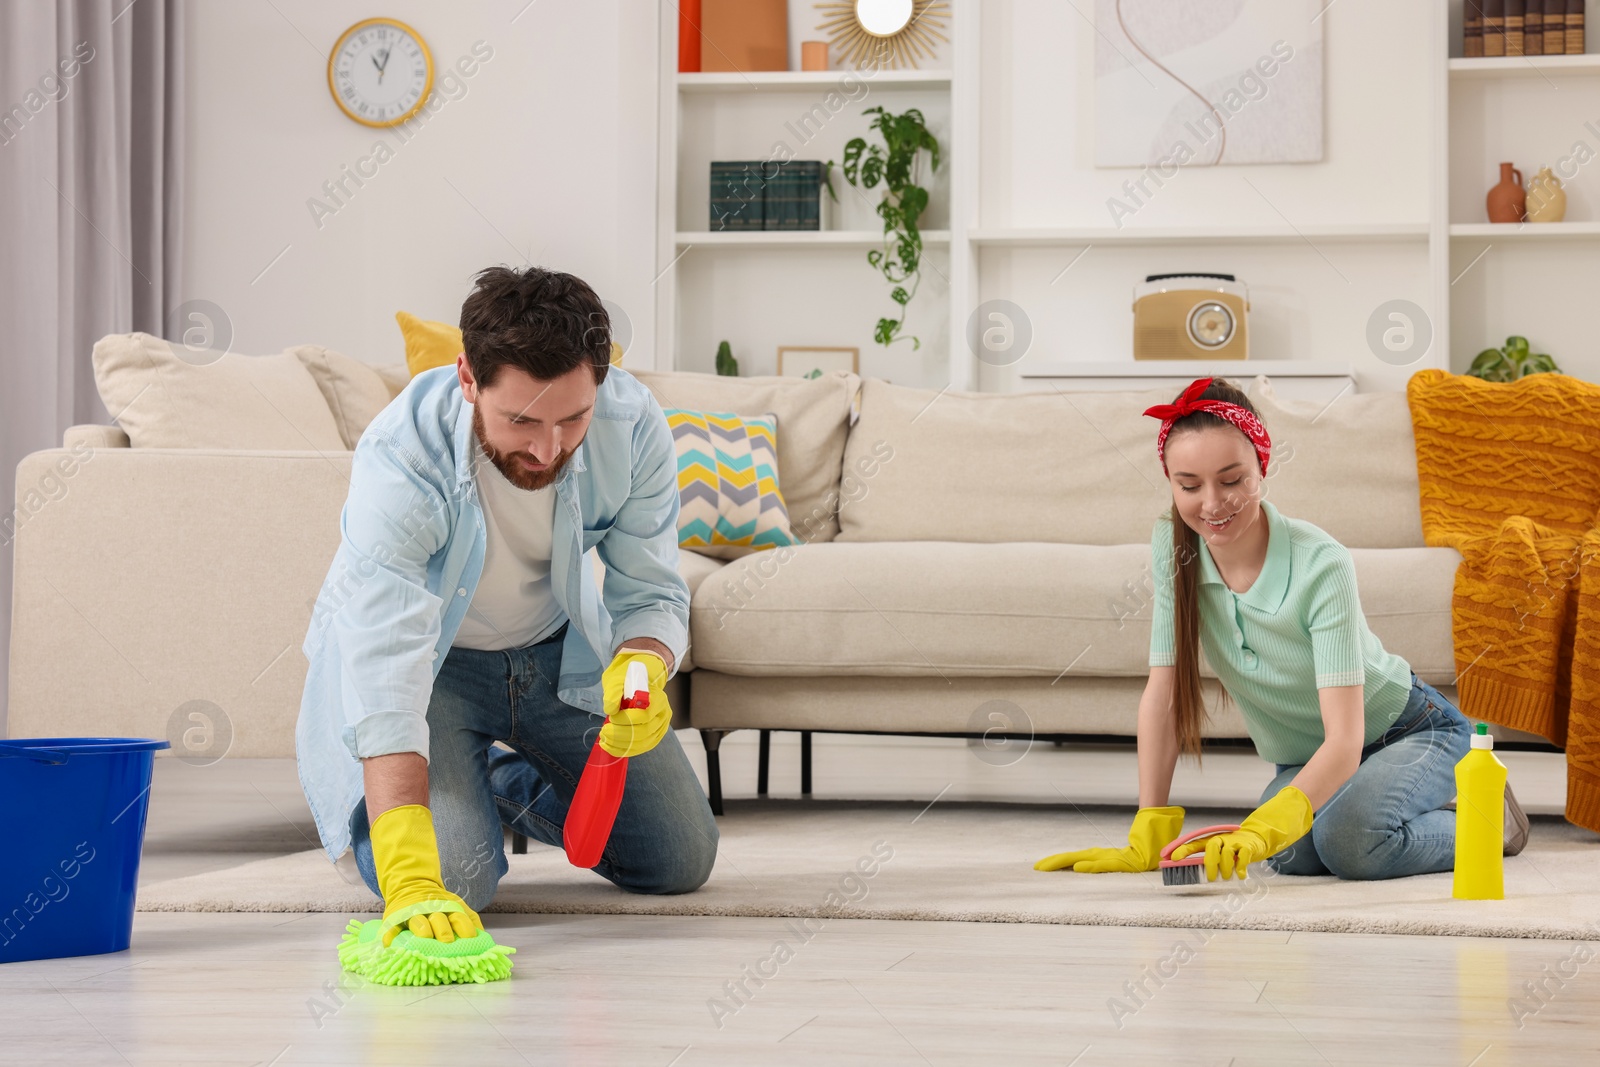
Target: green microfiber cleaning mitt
(413, 960)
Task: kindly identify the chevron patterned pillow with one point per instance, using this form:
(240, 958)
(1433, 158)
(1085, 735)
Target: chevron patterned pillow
(728, 480)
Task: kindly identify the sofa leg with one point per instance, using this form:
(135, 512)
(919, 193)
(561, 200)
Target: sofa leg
(764, 762)
(713, 740)
(519, 844)
(805, 763)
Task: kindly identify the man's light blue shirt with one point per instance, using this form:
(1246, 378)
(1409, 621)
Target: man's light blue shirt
(411, 553)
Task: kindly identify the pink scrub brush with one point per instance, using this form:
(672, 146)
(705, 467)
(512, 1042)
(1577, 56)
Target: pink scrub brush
(1191, 870)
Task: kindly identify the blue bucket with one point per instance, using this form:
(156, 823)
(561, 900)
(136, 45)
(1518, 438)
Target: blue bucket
(74, 810)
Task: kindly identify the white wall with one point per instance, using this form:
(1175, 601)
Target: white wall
(547, 153)
(1309, 300)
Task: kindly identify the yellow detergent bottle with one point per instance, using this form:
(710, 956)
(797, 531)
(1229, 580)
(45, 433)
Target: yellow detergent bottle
(1480, 822)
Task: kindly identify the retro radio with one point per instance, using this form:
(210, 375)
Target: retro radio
(1191, 316)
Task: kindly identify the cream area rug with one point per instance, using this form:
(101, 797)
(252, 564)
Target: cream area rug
(973, 862)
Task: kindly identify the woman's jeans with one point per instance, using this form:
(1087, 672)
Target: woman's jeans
(664, 839)
(1389, 819)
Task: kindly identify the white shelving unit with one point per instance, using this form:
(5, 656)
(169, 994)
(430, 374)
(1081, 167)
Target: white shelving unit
(1525, 231)
(1528, 66)
(810, 287)
(800, 238)
(780, 80)
(1004, 237)
(1534, 279)
(1319, 381)
(1413, 137)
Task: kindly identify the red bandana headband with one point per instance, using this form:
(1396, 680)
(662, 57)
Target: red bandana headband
(1190, 402)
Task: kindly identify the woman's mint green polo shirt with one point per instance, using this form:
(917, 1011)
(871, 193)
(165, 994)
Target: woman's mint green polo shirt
(1298, 628)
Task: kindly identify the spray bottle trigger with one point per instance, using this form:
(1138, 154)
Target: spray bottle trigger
(636, 686)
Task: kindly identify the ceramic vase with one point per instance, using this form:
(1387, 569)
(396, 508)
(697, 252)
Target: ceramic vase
(1547, 201)
(1507, 202)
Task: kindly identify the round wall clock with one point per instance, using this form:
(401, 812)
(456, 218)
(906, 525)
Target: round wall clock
(380, 72)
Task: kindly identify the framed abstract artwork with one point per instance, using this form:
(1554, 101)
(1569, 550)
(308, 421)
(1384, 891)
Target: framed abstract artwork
(1207, 82)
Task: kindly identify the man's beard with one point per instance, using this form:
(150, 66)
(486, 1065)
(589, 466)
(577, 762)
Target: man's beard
(506, 462)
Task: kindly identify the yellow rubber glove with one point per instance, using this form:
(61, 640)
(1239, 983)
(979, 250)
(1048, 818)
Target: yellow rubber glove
(1268, 830)
(1153, 830)
(634, 731)
(406, 854)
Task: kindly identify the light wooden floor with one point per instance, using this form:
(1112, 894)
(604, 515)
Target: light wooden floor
(266, 989)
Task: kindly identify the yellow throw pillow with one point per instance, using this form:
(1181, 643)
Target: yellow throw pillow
(428, 344)
(437, 344)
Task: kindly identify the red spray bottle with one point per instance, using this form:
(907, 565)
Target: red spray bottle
(599, 793)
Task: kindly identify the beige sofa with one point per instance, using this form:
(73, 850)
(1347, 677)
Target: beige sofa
(975, 563)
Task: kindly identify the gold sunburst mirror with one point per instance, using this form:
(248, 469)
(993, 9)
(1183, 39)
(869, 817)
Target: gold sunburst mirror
(883, 34)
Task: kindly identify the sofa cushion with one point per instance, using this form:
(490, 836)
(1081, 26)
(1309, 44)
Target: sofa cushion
(1349, 466)
(395, 375)
(693, 567)
(813, 417)
(943, 610)
(728, 480)
(354, 391)
(1069, 468)
(187, 398)
(429, 344)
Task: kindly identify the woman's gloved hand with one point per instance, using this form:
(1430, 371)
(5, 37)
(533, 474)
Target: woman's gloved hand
(1153, 830)
(406, 855)
(634, 731)
(1268, 830)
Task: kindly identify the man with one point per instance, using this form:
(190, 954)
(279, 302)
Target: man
(461, 610)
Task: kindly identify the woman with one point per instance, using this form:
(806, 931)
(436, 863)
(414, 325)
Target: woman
(1365, 751)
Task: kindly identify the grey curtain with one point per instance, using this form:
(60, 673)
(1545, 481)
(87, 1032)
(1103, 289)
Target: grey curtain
(91, 160)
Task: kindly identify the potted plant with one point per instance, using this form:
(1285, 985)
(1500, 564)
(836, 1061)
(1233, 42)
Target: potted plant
(897, 164)
(1511, 362)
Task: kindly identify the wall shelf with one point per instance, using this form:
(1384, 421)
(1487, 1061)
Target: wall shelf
(852, 239)
(1523, 66)
(808, 81)
(1190, 368)
(1526, 231)
(1014, 237)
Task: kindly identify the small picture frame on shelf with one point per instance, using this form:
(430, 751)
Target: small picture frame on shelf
(796, 361)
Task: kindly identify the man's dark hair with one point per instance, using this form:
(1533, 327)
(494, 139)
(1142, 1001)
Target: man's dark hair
(539, 321)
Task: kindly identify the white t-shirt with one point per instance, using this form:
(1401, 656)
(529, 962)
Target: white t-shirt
(514, 604)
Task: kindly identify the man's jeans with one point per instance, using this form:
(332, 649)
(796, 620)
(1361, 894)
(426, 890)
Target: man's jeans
(664, 839)
(1389, 820)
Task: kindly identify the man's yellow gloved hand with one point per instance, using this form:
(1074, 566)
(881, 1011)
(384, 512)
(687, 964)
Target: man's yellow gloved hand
(1268, 830)
(406, 854)
(634, 731)
(1153, 830)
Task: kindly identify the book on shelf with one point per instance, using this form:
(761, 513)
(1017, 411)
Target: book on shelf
(1494, 27)
(794, 196)
(766, 195)
(1522, 28)
(1516, 11)
(1555, 27)
(738, 194)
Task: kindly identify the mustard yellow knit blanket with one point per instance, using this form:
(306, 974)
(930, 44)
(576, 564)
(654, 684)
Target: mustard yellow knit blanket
(1510, 478)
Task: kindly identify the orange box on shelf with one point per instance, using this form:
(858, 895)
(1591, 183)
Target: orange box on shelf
(744, 35)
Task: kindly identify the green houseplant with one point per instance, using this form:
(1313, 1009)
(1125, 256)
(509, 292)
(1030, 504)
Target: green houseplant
(726, 364)
(897, 164)
(1511, 362)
